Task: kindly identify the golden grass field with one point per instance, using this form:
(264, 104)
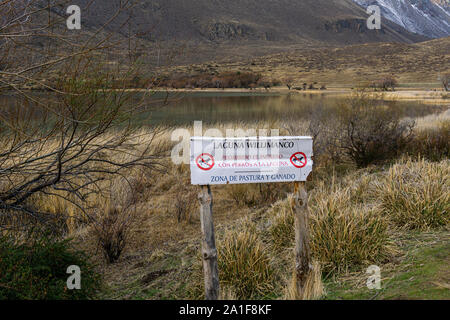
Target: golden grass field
(77, 121)
(414, 65)
(359, 217)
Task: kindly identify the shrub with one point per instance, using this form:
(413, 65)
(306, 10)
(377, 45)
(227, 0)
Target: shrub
(113, 219)
(432, 143)
(255, 194)
(185, 203)
(270, 193)
(37, 270)
(369, 132)
(244, 265)
(289, 82)
(385, 84)
(416, 195)
(111, 228)
(241, 194)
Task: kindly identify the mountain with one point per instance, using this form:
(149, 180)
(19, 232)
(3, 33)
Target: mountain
(426, 17)
(317, 22)
(191, 31)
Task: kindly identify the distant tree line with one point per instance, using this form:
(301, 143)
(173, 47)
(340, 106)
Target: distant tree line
(289, 82)
(245, 80)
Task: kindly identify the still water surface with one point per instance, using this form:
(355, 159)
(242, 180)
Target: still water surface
(228, 107)
(244, 107)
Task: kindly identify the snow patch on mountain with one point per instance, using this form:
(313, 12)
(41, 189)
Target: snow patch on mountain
(427, 17)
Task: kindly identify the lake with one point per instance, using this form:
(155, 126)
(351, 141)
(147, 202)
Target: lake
(213, 107)
(226, 107)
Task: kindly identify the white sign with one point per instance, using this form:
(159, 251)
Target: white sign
(250, 160)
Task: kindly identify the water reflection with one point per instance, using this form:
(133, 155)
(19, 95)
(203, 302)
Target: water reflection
(213, 107)
(258, 107)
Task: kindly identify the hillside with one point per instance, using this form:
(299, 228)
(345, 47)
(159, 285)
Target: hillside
(339, 21)
(349, 65)
(214, 29)
(314, 40)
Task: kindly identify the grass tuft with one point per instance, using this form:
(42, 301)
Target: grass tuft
(416, 195)
(244, 265)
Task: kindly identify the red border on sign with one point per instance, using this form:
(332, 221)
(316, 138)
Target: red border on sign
(200, 157)
(295, 156)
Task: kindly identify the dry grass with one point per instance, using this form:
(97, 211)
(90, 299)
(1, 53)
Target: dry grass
(241, 194)
(244, 264)
(314, 288)
(415, 195)
(351, 222)
(347, 65)
(282, 225)
(349, 231)
(432, 121)
(344, 234)
(66, 215)
(185, 203)
(432, 142)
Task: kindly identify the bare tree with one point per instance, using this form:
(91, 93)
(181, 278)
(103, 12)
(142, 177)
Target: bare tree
(368, 132)
(65, 142)
(289, 82)
(385, 84)
(445, 79)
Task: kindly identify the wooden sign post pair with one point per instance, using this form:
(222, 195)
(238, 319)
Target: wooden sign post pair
(289, 160)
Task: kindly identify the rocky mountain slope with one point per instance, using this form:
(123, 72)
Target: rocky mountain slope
(426, 17)
(195, 31)
(271, 21)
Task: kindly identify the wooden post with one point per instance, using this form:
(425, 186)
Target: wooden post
(209, 252)
(303, 265)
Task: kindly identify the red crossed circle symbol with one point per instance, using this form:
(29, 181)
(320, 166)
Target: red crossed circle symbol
(205, 161)
(299, 160)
